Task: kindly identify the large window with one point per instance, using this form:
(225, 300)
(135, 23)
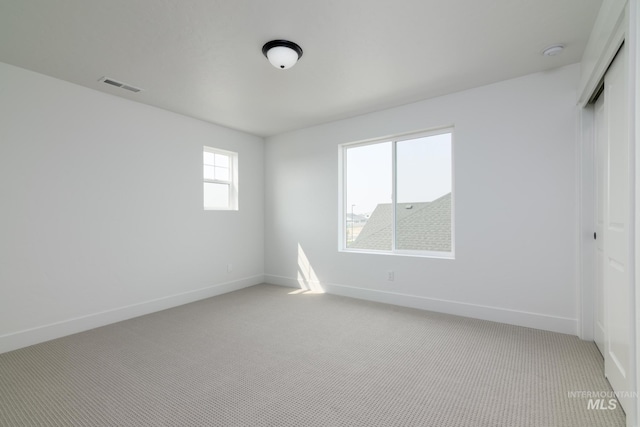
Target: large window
(396, 195)
(220, 175)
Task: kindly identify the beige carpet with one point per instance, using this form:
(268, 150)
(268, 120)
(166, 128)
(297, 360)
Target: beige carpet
(264, 357)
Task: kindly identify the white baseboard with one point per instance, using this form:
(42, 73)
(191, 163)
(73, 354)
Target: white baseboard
(27, 337)
(512, 317)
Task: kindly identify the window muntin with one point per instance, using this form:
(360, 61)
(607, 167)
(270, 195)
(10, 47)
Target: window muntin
(220, 179)
(397, 195)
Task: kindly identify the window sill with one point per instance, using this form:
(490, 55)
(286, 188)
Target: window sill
(414, 254)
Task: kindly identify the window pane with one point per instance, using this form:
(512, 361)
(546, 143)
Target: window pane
(209, 158)
(423, 210)
(222, 174)
(368, 188)
(216, 195)
(222, 160)
(209, 172)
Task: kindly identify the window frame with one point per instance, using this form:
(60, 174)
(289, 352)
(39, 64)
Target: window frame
(232, 182)
(342, 194)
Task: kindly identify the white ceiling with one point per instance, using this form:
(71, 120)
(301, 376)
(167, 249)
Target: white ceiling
(203, 58)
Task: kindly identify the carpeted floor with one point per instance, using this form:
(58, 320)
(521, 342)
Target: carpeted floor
(264, 357)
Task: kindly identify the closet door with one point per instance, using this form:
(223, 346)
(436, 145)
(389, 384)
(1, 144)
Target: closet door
(617, 235)
(601, 186)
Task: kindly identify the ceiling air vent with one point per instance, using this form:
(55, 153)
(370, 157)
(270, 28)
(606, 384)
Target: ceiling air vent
(120, 84)
(131, 88)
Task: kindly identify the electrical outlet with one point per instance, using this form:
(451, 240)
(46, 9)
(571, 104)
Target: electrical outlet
(390, 275)
(229, 268)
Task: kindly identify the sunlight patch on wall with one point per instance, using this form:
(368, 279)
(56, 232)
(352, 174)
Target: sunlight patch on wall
(307, 278)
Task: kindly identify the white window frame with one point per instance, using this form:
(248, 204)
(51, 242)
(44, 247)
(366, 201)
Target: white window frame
(232, 182)
(342, 195)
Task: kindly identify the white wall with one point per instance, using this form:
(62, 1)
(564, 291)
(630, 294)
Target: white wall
(515, 197)
(101, 213)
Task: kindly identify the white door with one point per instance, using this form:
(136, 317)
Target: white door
(616, 234)
(601, 176)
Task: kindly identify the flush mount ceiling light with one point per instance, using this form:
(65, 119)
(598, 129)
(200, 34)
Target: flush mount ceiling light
(282, 54)
(553, 50)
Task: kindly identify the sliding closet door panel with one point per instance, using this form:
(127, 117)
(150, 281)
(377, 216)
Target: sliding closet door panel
(601, 186)
(617, 233)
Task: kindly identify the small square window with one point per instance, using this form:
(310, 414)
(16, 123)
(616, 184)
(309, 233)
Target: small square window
(220, 179)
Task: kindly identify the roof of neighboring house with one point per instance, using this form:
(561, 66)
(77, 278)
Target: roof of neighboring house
(424, 226)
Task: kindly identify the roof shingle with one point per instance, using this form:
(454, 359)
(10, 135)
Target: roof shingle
(423, 226)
